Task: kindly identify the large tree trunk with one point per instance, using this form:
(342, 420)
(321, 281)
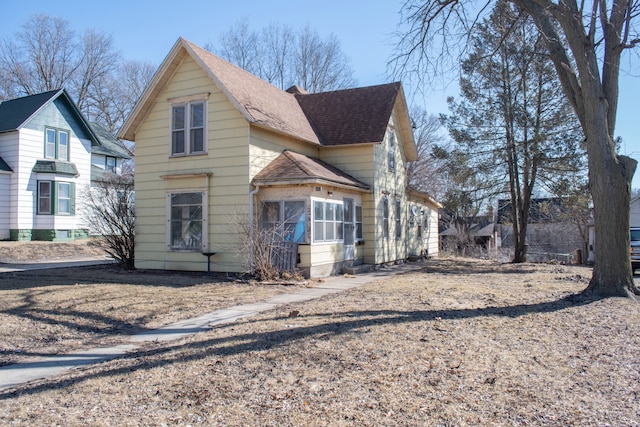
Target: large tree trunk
(610, 182)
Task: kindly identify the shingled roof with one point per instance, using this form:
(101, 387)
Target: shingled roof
(16, 112)
(291, 166)
(350, 116)
(109, 144)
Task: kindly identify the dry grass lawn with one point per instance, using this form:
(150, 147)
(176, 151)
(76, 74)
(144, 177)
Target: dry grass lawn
(461, 343)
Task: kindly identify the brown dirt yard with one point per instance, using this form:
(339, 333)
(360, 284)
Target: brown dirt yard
(461, 342)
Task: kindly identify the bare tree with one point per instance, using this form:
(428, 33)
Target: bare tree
(114, 96)
(240, 45)
(427, 173)
(97, 62)
(42, 56)
(320, 64)
(586, 41)
(46, 54)
(276, 45)
(285, 57)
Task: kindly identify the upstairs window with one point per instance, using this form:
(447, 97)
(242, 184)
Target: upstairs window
(392, 150)
(56, 144)
(188, 128)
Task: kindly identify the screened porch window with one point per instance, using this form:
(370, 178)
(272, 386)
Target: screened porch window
(285, 219)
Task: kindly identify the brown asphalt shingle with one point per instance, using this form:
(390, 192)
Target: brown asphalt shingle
(266, 104)
(350, 116)
(292, 166)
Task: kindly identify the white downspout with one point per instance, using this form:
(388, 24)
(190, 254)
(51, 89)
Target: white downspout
(251, 225)
(252, 194)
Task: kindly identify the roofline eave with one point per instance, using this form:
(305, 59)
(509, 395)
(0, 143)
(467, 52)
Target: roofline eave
(287, 134)
(308, 181)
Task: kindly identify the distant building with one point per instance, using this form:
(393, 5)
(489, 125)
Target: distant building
(48, 153)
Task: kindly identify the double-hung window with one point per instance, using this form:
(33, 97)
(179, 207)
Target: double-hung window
(398, 219)
(110, 164)
(328, 221)
(56, 144)
(359, 233)
(186, 218)
(55, 198)
(392, 150)
(285, 220)
(385, 217)
(188, 128)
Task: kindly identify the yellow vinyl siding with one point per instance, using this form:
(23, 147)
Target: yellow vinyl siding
(392, 185)
(227, 162)
(266, 146)
(355, 160)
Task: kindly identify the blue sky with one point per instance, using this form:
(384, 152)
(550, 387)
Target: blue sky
(146, 30)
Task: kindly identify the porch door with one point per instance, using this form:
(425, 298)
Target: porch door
(349, 230)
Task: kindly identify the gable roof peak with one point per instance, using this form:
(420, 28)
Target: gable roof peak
(297, 90)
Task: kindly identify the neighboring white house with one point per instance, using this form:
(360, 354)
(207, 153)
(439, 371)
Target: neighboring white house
(45, 159)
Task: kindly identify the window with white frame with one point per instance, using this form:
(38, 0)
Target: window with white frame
(359, 233)
(328, 221)
(398, 218)
(286, 219)
(64, 198)
(385, 217)
(186, 221)
(110, 164)
(56, 144)
(55, 198)
(392, 150)
(188, 128)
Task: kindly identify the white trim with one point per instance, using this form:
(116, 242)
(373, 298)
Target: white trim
(189, 98)
(313, 220)
(187, 126)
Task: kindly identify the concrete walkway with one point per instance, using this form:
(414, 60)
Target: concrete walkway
(58, 263)
(20, 373)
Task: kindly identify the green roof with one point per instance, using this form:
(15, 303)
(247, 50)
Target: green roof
(56, 167)
(109, 144)
(16, 112)
(4, 167)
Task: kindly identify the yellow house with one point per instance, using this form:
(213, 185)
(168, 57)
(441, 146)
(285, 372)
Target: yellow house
(217, 147)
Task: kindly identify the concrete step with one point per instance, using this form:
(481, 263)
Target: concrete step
(358, 269)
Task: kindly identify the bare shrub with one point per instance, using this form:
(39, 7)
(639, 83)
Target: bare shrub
(109, 211)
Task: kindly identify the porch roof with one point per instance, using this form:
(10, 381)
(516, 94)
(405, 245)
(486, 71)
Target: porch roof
(295, 168)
